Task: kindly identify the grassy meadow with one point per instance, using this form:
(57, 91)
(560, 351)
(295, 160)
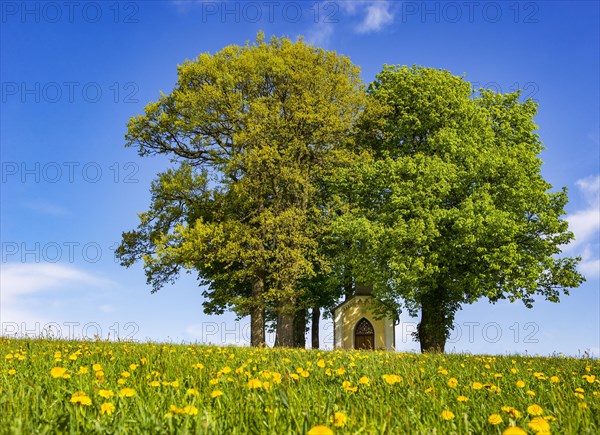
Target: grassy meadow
(52, 386)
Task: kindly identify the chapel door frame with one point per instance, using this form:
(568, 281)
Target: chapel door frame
(364, 340)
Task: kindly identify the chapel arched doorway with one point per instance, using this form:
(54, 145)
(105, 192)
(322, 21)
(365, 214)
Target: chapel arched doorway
(364, 335)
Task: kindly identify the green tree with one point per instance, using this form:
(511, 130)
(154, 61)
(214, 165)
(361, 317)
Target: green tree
(447, 204)
(251, 128)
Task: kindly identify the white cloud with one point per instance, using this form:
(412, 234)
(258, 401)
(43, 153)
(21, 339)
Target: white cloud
(378, 15)
(25, 288)
(18, 279)
(375, 14)
(590, 263)
(585, 224)
(320, 34)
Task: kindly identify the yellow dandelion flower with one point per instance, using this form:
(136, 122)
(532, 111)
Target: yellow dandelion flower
(107, 394)
(531, 393)
(580, 390)
(255, 383)
(582, 405)
(495, 419)
(294, 376)
(520, 384)
(347, 386)
(154, 384)
(392, 379)
(58, 372)
(214, 381)
(198, 366)
(126, 392)
(321, 363)
(341, 371)
(579, 396)
(364, 381)
(81, 398)
(121, 381)
(216, 393)
(514, 430)
(175, 410)
(125, 374)
(452, 382)
(107, 408)
(12, 372)
(539, 425)
(328, 371)
(320, 430)
(477, 385)
(428, 390)
(590, 378)
(554, 379)
(535, 410)
(97, 367)
(190, 410)
(447, 415)
(462, 398)
(192, 392)
(338, 419)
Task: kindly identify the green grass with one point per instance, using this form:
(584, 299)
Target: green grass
(295, 390)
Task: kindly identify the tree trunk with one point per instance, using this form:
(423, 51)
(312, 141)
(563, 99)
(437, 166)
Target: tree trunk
(300, 328)
(314, 327)
(285, 327)
(257, 315)
(431, 331)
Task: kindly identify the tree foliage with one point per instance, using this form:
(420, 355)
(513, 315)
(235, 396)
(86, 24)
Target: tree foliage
(253, 128)
(448, 201)
(291, 184)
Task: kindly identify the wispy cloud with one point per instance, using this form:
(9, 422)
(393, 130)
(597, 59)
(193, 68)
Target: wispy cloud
(374, 15)
(25, 289)
(585, 224)
(320, 34)
(378, 15)
(19, 279)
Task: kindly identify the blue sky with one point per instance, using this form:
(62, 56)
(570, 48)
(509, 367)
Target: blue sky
(72, 73)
